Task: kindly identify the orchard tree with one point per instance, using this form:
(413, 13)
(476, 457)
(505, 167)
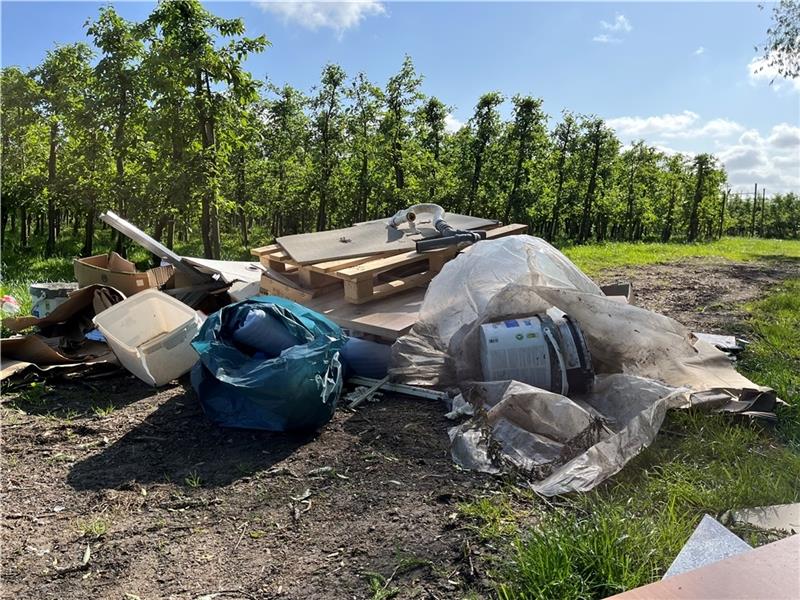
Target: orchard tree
(528, 140)
(401, 98)
(186, 37)
(363, 118)
(486, 126)
(327, 137)
(61, 81)
(24, 148)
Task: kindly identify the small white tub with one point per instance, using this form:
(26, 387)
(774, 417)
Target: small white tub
(150, 333)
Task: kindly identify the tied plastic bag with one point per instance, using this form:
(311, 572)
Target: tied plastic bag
(292, 391)
(264, 333)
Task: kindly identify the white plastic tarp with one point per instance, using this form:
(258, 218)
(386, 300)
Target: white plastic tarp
(646, 363)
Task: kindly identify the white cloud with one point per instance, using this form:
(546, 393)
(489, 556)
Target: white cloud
(338, 16)
(700, 50)
(759, 71)
(772, 158)
(656, 125)
(452, 124)
(620, 23)
(715, 128)
(772, 161)
(785, 136)
(604, 38)
(681, 125)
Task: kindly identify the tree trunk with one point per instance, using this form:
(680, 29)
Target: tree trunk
(241, 198)
(557, 202)
(50, 245)
(475, 181)
(23, 226)
(586, 223)
(511, 203)
(363, 187)
(158, 235)
(698, 196)
(170, 232)
(397, 165)
(88, 237)
(209, 225)
(666, 233)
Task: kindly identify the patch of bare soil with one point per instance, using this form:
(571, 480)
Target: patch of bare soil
(705, 295)
(149, 500)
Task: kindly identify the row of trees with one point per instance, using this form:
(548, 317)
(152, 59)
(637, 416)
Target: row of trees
(161, 123)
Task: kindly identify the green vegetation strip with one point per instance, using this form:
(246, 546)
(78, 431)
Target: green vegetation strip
(594, 258)
(627, 532)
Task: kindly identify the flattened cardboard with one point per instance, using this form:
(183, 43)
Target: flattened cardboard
(99, 296)
(118, 273)
(34, 351)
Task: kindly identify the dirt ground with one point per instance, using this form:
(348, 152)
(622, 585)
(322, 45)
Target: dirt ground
(149, 500)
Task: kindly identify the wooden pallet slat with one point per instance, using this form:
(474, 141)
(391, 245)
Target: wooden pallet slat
(293, 290)
(364, 277)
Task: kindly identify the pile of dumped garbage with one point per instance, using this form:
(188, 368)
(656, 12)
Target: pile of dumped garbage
(552, 379)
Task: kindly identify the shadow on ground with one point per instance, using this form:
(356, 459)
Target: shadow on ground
(176, 442)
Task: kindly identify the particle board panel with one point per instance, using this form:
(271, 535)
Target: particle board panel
(369, 238)
(388, 318)
(770, 571)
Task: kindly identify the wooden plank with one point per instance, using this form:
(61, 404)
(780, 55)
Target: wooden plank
(293, 291)
(770, 571)
(335, 265)
(506, 230)
(312, 279)
(264, 249)
(387, 318)
(362, 291)
(380, 265)
(361, 240)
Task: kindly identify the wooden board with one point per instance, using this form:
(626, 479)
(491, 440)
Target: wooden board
(367, 278)
(368, 238)
(771, 571)
(293, 289)
(387, 318)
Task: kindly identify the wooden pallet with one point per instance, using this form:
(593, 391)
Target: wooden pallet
(363, 279)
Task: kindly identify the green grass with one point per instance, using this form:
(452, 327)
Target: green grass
(627, 532)
(23, 266)
(593, 258)
(193, 480)
(773, 358)
(94, 529)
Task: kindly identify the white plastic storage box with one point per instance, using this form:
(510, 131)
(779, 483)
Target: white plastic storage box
(150, 333)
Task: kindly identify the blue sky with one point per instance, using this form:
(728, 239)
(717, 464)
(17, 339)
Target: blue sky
(679, 75)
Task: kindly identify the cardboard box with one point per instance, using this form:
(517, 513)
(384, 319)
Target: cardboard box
(121, 274)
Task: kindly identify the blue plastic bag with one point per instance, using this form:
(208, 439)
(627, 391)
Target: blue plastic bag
(296, 390)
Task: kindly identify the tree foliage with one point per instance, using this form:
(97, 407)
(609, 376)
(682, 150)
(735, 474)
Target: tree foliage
(782, 48)
(162, 123)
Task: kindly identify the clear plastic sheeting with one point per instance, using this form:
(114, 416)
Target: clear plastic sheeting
(565, 444)
(489, 281)
(520, 427)
(646, 363)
